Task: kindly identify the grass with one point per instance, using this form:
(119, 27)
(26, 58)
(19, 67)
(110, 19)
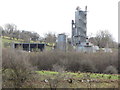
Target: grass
(92, 75)
(99, 80)
(104, 76)
(47, 72)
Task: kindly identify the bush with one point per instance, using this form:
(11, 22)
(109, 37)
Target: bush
(87, 66)
(16, 69)
(18, 66)
(73, 66)
(44, 60)
(6, 44)
(73, 61)
(111, 70)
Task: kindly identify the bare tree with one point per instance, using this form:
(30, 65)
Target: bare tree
(10, 28)
(50, 37)
(34, 36)
(16, 63)
(102, 39)
(16, 34)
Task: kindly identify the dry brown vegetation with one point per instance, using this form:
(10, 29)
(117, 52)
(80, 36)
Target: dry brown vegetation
(74, 61)
(18, 67)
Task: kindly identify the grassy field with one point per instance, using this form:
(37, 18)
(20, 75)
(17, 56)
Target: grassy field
(51, 79)
(8, 40)
(91, 75)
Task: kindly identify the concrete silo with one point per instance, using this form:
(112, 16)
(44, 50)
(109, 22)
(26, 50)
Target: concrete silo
(61, 42)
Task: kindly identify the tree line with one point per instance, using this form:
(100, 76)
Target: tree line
(10, 30)
(103, 38)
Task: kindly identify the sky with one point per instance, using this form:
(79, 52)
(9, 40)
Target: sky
(43, 16)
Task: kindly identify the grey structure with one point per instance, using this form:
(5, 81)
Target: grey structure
(79, 28)
(80, 41)
(29, 46)
(87, 47)
(61, 42)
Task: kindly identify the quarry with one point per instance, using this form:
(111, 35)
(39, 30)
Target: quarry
(79, 39)
(59, 61)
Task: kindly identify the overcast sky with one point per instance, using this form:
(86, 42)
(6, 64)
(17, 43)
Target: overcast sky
(43, 16)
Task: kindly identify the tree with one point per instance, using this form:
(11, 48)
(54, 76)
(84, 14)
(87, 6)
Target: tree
(103, 39)
(25, 35)
(50, 37)
(34, 36)
(16, 34)
(10, 28)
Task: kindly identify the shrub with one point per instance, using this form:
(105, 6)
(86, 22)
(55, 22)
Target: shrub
(73, 66)
(58, 68)
(87, 66)
(111, 70)
(73, 61)
(16, 68)
(6, 44)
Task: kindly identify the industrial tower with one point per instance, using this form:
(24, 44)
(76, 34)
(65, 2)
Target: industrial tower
(79, 27)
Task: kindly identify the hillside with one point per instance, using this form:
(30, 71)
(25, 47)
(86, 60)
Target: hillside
(6, 42)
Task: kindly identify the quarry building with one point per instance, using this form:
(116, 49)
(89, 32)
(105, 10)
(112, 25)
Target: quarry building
(62, 42)
(79, 38)
(29, 46)
(79, 27)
